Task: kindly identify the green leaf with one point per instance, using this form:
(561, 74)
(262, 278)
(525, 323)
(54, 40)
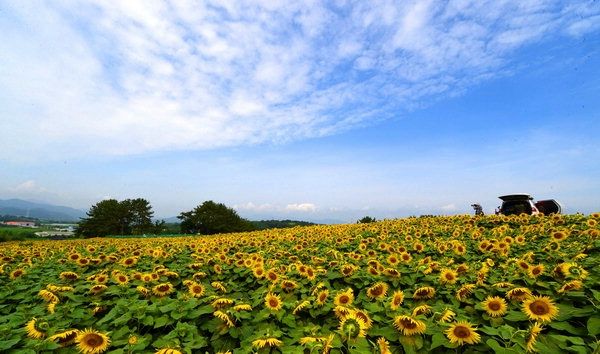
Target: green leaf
(498, 349)
(7, 344)
(515, 316)
(593, 326)
(147, 321)
(438, 340)
(161, 321)
(566, 326)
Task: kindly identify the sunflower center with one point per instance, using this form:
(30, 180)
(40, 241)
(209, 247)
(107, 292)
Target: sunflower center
(273, 302)
(449, 276)
(408, 323)
(94, 340)
(494, 306)
(539, 308)
(461, 332)
(376, 291)
(344, 299)
(69, 337)
(163, 288)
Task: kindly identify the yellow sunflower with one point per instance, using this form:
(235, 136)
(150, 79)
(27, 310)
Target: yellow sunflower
(301, 306)
(535, 271)
(571, 285)
(144, 291)
(219, 286)
(98, 289)
(288, 285)
(163, 289)
(69, 276)
(448, 276)
(321, 297)
(273, 302)
(65, 338)
(409, 326)
(224, 317)
(36, 329)
(377, 291)
(17, 273)
(242, 307)
(221, 302)
(122, 279)
(397, 299)
(447, 316)
(196, 290)
(518, 294)
(532, 335)
(559, 236)
(352, 327)
(90, 341)
(462, 332)
(344, 298)
(540, 308)
(463, 293)
(421, 310)
(363, 315)
(495, 306)
(423, 293)
(383, 345)
(267, 342)
(168, 351)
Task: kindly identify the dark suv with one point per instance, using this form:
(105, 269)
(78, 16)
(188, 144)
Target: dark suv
(515, 204)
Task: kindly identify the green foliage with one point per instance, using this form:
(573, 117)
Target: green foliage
(366, 220)
(213, 218)
(279, 224)
(10, 233)
(111, 217)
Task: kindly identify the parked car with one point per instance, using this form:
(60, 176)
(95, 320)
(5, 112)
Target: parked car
(515, 204)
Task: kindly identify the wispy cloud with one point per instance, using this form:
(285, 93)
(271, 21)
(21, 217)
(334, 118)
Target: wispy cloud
(29, 186)
(135, 76)
(305, 207)
(293, 207)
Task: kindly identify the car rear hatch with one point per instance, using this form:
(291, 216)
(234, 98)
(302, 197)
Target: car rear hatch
(549, 206)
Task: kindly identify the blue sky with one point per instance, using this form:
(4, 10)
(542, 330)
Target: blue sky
(315, 111)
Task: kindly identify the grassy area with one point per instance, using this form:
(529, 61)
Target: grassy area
(12, 233)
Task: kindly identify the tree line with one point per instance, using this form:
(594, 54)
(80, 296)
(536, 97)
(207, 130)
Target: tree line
(134, 217)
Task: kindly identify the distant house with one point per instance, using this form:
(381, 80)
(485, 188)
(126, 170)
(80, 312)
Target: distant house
(20, 223)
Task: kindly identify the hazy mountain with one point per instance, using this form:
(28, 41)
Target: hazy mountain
(42, 211)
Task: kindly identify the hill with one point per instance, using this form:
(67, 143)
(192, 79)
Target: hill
(42, 211)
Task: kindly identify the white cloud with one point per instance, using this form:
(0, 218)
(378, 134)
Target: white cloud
(449, 207)
(29, 186)
(304, 207)
(254, 207)
(131, 77)
(271, 208)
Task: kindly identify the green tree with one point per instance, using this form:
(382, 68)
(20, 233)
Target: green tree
(111, 217)
(138, 216)
(213, 218)
(366, 220)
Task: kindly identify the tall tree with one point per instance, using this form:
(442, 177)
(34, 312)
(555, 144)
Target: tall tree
(111, 217)
(212, 218)
(139, 216)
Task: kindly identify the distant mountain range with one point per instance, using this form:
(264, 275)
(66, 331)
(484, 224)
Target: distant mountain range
(42, 211)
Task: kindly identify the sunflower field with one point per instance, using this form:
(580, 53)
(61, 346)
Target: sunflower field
(417, 285)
